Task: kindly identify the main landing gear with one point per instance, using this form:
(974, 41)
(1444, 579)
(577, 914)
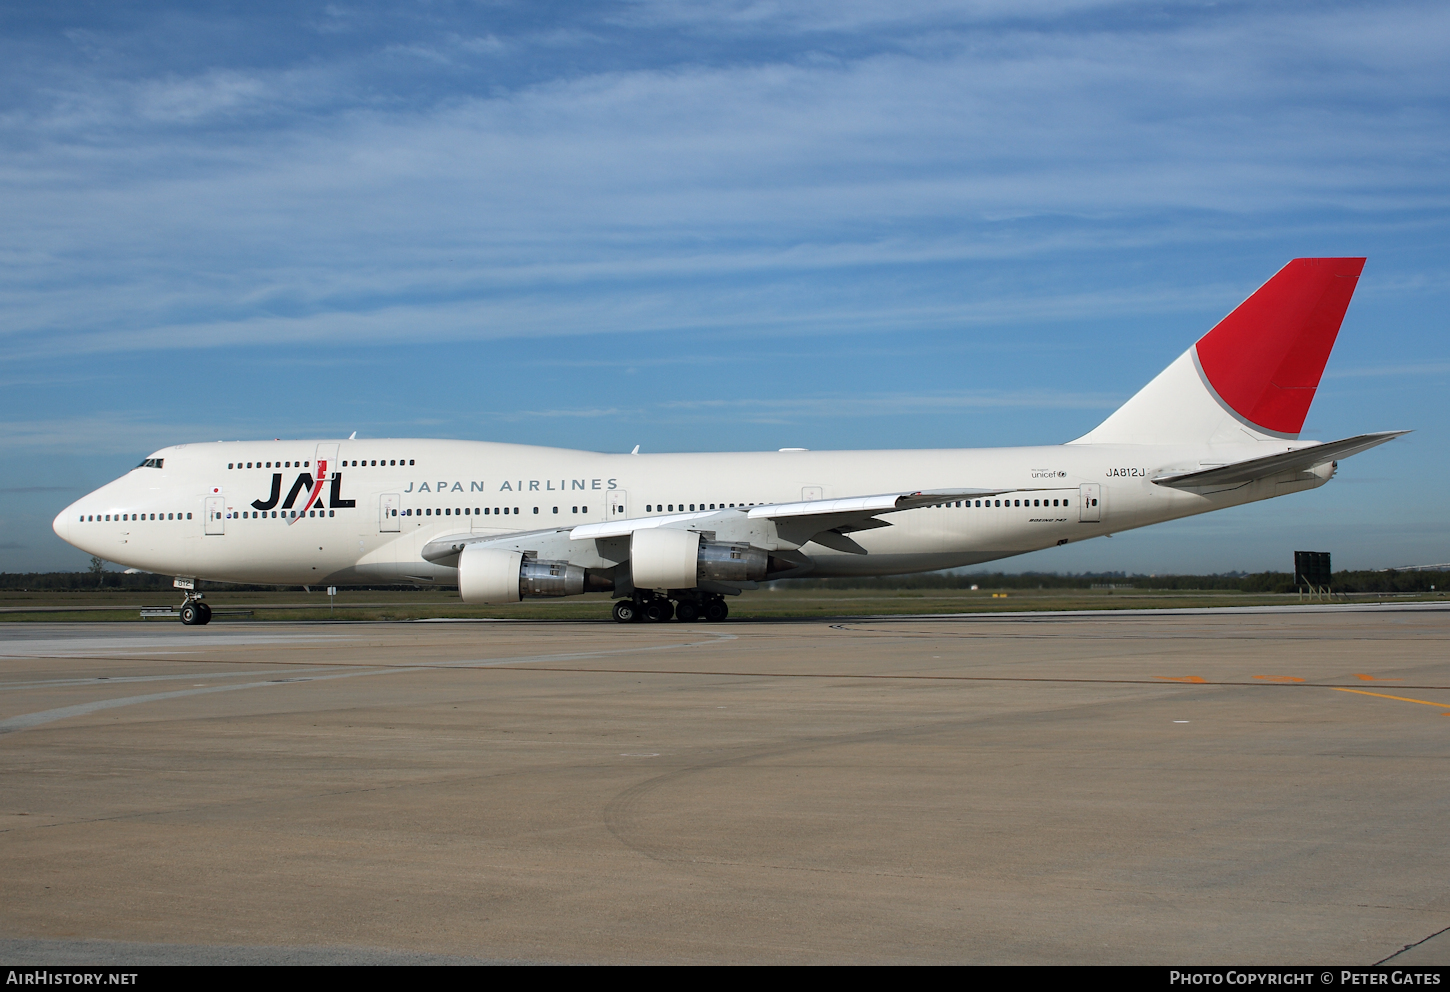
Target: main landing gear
(193, 612)
(658, 609)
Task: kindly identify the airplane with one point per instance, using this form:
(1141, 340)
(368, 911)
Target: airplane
(672, 535)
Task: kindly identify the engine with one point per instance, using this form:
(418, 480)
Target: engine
(663, 558)
(489, 575)
(660, 558)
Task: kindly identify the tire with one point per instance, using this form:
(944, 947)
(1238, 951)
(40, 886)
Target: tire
(190, 614)
(716, 610)
(658, 610)
(626, 611)
(687, 611)
(205, 614)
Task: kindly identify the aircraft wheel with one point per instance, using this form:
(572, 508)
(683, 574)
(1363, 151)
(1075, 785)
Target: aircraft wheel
(687, 611)
(191, 614)
(658, 610)
(716, 610)
(205, 617)
(626, 611)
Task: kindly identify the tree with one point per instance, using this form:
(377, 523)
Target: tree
(98, 569)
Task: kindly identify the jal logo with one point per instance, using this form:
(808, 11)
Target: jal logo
(312, 488)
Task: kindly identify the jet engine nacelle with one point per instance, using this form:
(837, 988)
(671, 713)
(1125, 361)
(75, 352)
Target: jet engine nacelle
(491, 575)
(665, 558)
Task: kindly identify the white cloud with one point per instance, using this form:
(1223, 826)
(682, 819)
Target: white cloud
(633, 197)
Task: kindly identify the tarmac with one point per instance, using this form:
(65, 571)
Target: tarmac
(1193, 787)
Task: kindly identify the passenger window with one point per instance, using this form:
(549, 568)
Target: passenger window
(410, 461)
(583, 509)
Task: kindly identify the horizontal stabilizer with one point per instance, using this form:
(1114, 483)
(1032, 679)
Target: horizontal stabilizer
(1298, 460)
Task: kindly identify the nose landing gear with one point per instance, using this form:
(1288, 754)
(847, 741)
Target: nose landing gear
(194, 612)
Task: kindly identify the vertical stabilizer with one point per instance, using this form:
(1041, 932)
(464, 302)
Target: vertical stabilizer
(1254, 375)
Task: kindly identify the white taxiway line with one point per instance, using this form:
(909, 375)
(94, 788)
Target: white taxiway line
(28, 720)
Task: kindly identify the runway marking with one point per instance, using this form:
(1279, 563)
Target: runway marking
(496, 662)
(1279, 678)
(118, 679)
(1185, 678)
(28, 720)
(1192, 679)
(1403, 699)
(1374, 678)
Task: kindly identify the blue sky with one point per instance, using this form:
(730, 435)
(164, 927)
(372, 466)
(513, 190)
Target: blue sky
(713, 226)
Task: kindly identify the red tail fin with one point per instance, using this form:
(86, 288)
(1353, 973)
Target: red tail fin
(1264, 360)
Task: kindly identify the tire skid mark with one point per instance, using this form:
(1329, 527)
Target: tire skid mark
(623, 815)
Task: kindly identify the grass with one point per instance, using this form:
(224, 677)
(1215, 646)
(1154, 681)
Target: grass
(122, 605)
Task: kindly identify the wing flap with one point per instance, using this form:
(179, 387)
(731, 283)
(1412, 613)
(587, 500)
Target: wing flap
(855, 505)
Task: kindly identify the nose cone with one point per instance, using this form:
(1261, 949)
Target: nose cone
(61, 524)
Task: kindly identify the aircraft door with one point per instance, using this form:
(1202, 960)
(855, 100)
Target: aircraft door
(388, 520)
(618, 505)
(1089, 496)
(216, 511)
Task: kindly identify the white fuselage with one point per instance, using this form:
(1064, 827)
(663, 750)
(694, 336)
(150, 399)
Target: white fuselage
(198, 515)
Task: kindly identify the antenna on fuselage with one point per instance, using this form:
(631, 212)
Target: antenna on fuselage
(635, 451)
(352, 436)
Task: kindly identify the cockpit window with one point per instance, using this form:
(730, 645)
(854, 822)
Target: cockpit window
(151, 463)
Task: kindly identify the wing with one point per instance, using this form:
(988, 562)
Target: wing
(825, 521)
(1298, 460)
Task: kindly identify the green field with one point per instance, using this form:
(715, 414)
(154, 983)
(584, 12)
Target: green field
(356, 605)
